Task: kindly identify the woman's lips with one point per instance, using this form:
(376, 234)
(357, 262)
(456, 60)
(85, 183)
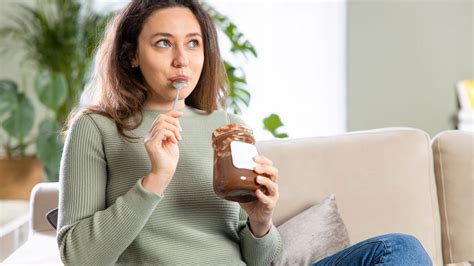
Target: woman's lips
(180, 78)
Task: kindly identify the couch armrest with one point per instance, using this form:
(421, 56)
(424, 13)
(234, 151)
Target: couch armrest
(453, 154)
(41, 246)
(44, 197)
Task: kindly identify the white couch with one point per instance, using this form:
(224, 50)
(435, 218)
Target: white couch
(384, 181)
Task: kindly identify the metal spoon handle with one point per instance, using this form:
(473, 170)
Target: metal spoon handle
(178, 85)
(175, 104)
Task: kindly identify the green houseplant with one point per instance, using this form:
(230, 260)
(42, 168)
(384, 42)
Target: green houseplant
(59, 37)
(20, 171)
(16, 119)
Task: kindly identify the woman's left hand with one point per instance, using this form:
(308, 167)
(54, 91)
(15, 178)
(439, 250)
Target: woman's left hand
(260, 211)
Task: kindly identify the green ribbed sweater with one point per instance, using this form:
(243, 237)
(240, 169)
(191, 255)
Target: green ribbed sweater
(107, 217)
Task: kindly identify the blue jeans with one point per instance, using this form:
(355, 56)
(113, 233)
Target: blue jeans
(390, 249)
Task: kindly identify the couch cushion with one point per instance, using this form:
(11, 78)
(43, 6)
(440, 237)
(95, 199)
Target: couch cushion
(314, 234)
(454, 167)
(383, 180)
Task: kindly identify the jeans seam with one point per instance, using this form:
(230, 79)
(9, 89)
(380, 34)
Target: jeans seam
(385, 252)
(352, 251)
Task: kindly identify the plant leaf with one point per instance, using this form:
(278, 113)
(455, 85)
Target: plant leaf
(8, 96)
(51, 89)
(49, 147)
(242, 95)
(21, 119)
(272, 123)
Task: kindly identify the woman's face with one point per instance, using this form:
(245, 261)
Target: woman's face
(170, 44)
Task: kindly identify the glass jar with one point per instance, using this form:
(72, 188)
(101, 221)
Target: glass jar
(231, 182)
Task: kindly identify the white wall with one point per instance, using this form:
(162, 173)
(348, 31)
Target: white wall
(404, 59)
(300, 71)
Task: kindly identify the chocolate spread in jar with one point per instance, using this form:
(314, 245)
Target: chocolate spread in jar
(230, 182)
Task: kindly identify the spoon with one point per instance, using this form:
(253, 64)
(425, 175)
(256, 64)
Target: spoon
(178, 85)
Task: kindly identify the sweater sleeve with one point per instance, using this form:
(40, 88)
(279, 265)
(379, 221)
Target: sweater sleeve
(256, 251)
(89, 232)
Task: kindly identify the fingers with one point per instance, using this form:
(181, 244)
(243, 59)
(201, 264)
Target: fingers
(264, 199)
(160, 135)
(174, 121)
(271, 187)
(271, 198)
(166, 134)
(172, 117)
(268, 171)
(262, 160)
(166, 126)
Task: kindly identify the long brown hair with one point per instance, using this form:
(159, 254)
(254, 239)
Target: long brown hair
(122, 88)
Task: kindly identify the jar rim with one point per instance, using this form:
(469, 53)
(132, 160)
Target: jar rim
(235, 130)
(229, 128)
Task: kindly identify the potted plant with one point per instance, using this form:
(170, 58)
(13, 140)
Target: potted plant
(58, 38)
(20, 171)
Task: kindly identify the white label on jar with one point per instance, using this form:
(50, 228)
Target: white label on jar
(242, 154)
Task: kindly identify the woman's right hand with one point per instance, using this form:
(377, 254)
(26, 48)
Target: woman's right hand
(161, 144)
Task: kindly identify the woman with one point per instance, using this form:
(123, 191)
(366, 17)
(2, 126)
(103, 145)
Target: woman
(136, 176)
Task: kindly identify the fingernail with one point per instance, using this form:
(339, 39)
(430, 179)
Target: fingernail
(259, 178)
(180, 128)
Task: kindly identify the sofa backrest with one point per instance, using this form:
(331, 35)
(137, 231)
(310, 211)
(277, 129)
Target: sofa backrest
(453, 153)
(383, 180)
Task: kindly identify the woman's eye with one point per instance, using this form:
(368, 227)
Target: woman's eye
(166, 43)
(196, 43)
(162, 43)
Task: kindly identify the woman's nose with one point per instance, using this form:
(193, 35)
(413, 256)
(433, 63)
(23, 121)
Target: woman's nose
(180, 58)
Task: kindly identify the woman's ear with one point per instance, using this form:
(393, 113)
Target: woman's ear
(133, 61)
(131, 52)
(133, 58)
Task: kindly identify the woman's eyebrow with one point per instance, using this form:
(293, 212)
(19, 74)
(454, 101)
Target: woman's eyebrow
(165, 34)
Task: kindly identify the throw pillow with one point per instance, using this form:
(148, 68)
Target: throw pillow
(313, 234)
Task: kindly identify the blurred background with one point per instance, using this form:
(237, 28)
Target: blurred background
(296, 68)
